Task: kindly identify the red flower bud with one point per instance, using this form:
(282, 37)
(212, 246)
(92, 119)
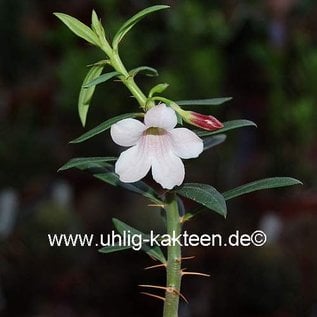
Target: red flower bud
(205, 122)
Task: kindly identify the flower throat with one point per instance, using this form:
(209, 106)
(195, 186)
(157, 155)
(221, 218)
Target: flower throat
(155, 131)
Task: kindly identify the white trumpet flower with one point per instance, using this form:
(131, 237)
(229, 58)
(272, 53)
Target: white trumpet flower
(155, 144)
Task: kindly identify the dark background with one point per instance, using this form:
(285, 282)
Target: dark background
(262, 53)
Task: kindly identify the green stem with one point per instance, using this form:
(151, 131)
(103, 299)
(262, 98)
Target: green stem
(127, 80)
(174, 273)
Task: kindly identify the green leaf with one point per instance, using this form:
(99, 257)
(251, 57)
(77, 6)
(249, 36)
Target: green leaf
(266, 183)
(85, 95)
(79, 28)
(148, 71)
(205, 195)
(102, 62)
(114, 248)
(203, 102)
(158, 89)
(179, 119)
(212, 141)
(153, 251)
(229, 125)
(139, 187)
(85, 162)
(101, 79)
(101, 168)
(128, 25)
(108, 177)
(104, 126)
(94, 20)
(97, 26)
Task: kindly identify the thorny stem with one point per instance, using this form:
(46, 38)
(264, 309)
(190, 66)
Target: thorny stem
(173, 269)
(173, 220)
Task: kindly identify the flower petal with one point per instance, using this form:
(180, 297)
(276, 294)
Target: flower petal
(161, 116)
(186, 144)
(134, 163)
(167, 169)
(127, 132)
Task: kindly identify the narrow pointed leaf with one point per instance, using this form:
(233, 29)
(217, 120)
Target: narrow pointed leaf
(229, 125)
(104, 126)
(158, 89)
(212, 141)
(153, 251)
(146, 70)
(266, 183)
(205, 195)
(97, 26)
(79, 28)
(100, 79)
(103, 62)
(108, 177)
(139, 187)
(85, 162)
(94, 20)
(102, 169)
(179, 119)
(203, 102)
(114, 248)
(85, 95)
(128, 25)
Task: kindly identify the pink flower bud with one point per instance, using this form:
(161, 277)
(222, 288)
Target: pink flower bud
(206, 122)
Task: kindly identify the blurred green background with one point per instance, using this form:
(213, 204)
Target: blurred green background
(262, 53)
